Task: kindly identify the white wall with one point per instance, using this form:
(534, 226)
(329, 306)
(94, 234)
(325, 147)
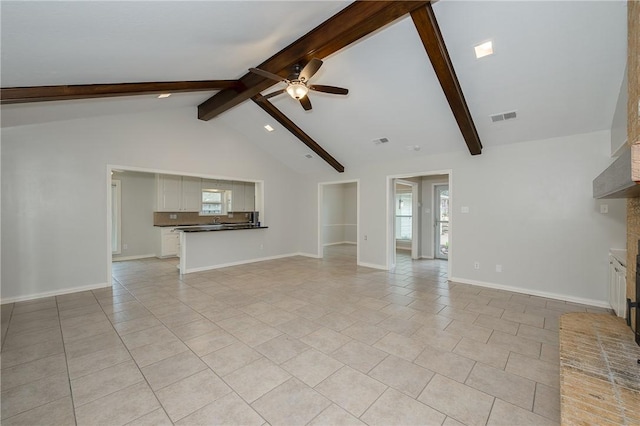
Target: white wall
(138, 233)
(54, 190)
(530, 210)
(339, 213)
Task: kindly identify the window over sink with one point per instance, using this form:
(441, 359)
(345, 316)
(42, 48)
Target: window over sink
(215, 202)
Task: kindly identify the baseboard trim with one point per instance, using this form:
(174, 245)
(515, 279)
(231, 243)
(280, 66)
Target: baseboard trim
(240, 262)
(54, 293)
(372, 265)
(548, 295)
(311, 255)
(427, 257)
(339, 243)
(141, 256)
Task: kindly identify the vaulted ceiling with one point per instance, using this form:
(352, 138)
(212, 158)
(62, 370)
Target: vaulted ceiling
(559, 64)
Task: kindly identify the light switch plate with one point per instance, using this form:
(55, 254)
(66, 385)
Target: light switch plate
(464, 209)
(604, 208)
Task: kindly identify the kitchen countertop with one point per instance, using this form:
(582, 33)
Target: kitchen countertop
(218, 227)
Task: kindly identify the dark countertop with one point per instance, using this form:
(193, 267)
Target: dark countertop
(220, 227)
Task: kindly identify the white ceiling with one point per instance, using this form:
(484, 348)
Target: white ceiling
(559, 64)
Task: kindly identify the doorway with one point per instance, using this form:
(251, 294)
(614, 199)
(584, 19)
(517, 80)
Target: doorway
(432, 201)
(338, 218)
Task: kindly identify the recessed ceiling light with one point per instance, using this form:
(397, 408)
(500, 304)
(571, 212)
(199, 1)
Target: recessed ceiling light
(164, 95)
(269, 128)
(484, 49)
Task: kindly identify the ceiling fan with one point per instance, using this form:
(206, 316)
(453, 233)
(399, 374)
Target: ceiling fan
(298, 83)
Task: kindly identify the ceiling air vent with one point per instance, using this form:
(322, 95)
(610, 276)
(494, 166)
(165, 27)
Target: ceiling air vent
(381, 140)
(503, 116)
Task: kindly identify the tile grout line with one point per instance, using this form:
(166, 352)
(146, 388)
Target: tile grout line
(66, 360)
(131, 358)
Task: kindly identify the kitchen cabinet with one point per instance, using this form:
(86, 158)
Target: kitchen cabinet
(617, 286)
(243, 197)
(169, 242)
(220, 185)
(178, 193)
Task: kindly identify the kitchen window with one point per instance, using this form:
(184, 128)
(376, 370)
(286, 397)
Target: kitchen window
(213, 202)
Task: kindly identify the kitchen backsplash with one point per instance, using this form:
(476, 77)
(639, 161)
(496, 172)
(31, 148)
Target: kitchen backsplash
(194, 218)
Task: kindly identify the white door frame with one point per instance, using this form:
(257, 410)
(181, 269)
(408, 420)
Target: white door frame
(321, 187)
(436, 230)
(415, 210)
(390, 243)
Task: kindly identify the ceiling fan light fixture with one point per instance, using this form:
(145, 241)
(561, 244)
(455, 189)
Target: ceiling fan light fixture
(297, 90)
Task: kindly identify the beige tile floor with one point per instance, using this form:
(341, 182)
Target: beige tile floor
(286, 342)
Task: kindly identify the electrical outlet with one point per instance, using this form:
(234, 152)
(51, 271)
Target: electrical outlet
(464, 209)
(498, 268)
(476, 265)
(173, 216)
(125, 246)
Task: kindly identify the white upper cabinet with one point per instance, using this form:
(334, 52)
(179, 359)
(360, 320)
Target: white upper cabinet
(184, 193)
(243, 196)
(169, 190)
(237, 197)
(249, 196)
(178, 193)
(191, 194)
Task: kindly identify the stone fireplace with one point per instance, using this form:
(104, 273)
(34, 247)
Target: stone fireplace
(633, 138)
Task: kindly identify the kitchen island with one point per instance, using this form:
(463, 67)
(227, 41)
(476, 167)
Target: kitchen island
(215, 246)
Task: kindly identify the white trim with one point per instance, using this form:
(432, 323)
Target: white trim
(433, 218)
(55, 293)
(311, 255)
(240, 262)
(118, 205)
(548, 295)
(373, 265)
(338, 243)
(140, 256)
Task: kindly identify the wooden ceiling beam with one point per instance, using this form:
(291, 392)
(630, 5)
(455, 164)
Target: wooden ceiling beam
(425, 22)
(277, 115)
(14, 95)
(347, 26)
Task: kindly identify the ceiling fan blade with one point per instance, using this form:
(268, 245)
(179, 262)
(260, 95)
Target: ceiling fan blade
(276, 93)
(310, 69)
(267, 74)
(305, 102)
(329, 89)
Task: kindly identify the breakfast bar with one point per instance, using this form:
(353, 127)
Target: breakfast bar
(206, 247)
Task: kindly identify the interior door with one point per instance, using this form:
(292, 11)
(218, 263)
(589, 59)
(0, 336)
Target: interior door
(441, 222)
